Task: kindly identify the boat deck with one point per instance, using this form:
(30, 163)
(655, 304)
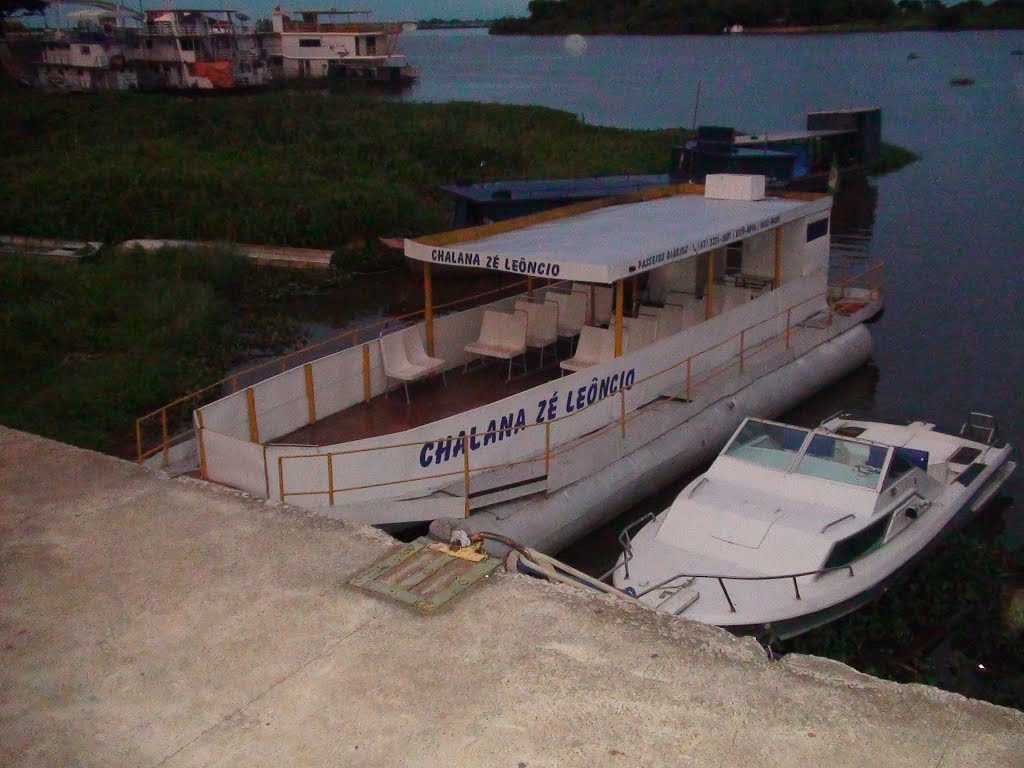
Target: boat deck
(430, 400)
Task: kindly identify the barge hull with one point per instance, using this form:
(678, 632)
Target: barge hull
(551, 523)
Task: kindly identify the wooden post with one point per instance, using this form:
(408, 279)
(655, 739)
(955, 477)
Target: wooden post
(310, 394)
(428, 307)
(202, 447)
(330, 479)
(465, 468)
(529, 286)
(254, 427)
(280, 476)
(778, 257)
(618, 317)
(709, 287)
(234, 384)
(367, 393)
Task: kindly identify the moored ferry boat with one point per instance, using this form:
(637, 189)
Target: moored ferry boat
(648, 326)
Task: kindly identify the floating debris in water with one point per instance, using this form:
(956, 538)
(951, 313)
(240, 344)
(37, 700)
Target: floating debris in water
(1017, 52)
(962, 80)
(911, 56)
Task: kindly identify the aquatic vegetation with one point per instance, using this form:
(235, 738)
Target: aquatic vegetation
(289, 168)
(85, 348)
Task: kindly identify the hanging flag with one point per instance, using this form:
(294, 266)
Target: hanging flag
(833, 177)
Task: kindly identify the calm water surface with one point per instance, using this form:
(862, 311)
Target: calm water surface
(950, 227)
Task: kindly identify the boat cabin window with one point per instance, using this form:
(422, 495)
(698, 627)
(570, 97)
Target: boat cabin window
(770, 445)
(866, 540)
(845, 461)
(898, 467)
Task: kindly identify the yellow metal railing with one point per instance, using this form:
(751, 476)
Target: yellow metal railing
(688, 390)
(153, 430)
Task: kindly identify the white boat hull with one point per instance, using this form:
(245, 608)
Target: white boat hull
(672, 575)
(552, 522)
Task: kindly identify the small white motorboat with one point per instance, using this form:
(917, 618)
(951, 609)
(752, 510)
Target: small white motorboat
(791, 528)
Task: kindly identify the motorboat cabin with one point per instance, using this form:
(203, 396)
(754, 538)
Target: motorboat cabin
(793, 527)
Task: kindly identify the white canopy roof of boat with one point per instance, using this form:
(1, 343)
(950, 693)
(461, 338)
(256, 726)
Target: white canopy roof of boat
(611, 242)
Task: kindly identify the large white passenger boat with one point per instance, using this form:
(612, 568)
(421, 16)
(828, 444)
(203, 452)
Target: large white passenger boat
(646, 327)
(791, 528)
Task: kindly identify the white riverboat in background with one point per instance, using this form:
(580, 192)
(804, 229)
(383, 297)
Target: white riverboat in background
(672, 314)
(791, 528)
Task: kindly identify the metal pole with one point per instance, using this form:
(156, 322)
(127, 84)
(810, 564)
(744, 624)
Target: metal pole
(254, 427)
(310, 394)
(547, 448)
(330, 479)
(778, 257)
(618, 317)
(202, 447)
(465, 468)
(709, 286)
(428, 307)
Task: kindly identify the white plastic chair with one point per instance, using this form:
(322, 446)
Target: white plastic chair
(602, 306)
(572, 313)
(541, 324)
(502, 335)
(417, 355)
(596, 345)
(642, 331)
(671, 320)
(396, 361)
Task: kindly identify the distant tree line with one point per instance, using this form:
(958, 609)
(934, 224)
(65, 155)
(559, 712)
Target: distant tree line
(714, 16)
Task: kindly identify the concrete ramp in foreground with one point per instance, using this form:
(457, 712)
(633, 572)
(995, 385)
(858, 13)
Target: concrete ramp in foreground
(151, 622)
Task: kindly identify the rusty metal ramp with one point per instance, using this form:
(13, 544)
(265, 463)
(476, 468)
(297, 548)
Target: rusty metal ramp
(425, 573)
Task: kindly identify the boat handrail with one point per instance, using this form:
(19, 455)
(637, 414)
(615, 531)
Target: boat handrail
(836, 522)
(721, 579)
(627, 546)
(691, 385)
(198, 398)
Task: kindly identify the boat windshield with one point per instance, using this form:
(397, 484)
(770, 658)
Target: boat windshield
(770, 445)
(845, 461)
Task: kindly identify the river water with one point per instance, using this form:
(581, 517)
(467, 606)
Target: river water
(949, 228)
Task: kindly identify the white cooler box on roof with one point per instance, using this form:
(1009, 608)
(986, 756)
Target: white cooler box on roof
(734, 186)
